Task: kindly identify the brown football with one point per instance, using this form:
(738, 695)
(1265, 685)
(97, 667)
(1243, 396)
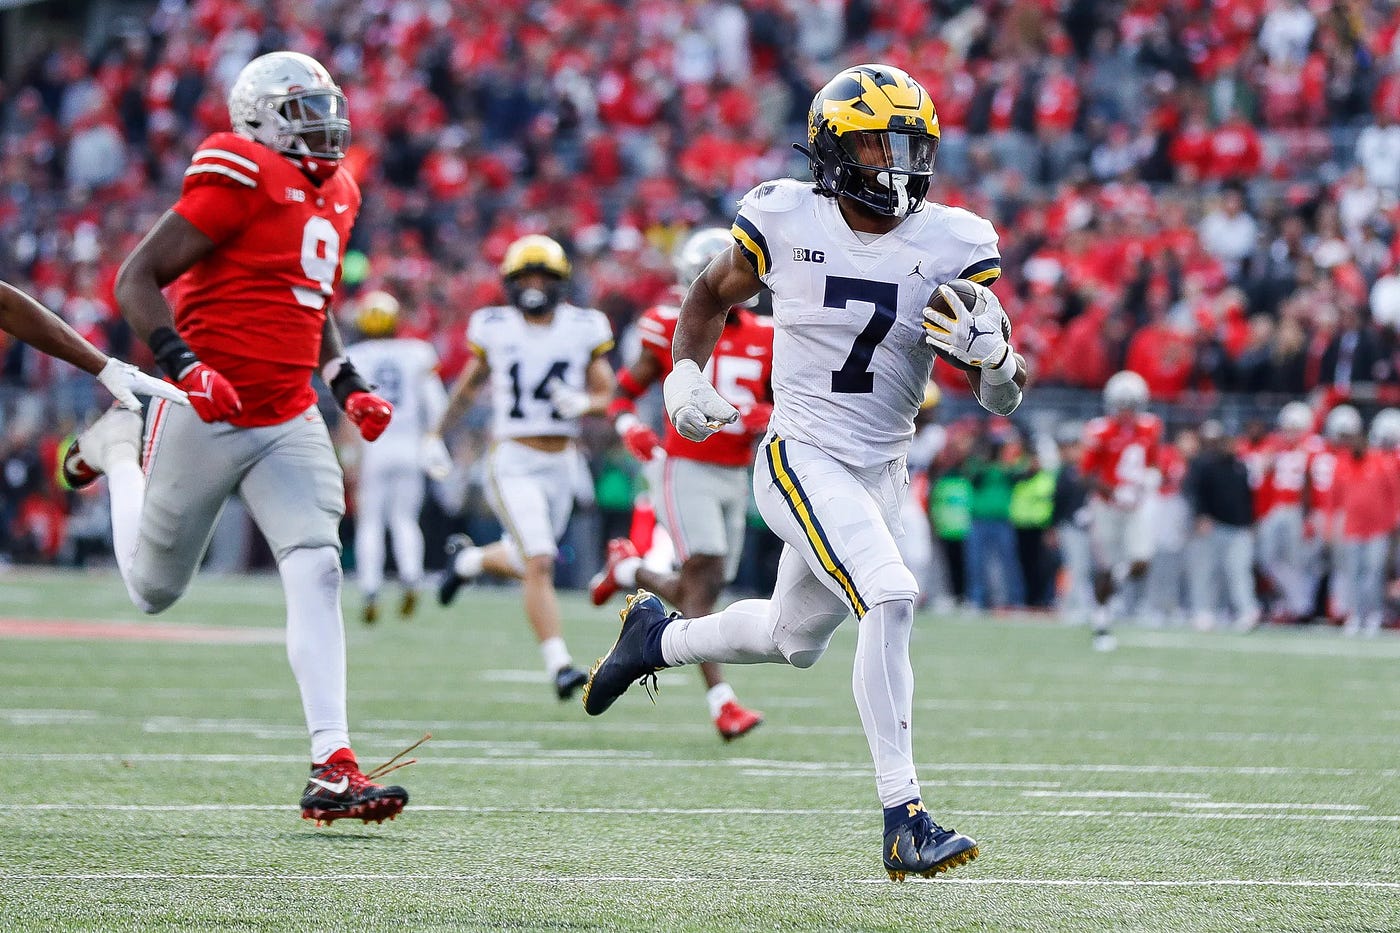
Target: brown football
(968, 294)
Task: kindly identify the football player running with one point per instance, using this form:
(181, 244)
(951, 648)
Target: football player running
(26, 319)
(546, 365)
(851, 263)
(1121, 463)
(703, 489)
(254, 245)
(389, 492)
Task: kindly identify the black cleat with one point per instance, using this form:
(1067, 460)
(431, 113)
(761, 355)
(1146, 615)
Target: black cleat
(916, 845)
(337, 789)
(626, 663)
(567, 681)
(452, 581)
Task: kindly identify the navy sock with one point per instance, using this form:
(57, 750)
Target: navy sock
(651, 650)
(900, 814)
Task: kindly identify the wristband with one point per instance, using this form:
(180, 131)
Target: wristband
(1002, 372)
(344, 380)
(172, 354)
(629, 385)
(625, 422)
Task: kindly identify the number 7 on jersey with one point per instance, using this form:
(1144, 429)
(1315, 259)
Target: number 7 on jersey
(854, 376)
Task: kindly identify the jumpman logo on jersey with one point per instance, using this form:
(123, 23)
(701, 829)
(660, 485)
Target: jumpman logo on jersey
(915, 271)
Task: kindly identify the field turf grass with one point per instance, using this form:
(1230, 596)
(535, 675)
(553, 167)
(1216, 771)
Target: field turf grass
(1186, 782)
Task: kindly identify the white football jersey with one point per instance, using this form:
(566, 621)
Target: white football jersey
(849, 358)
(527, 359)
(404, 371)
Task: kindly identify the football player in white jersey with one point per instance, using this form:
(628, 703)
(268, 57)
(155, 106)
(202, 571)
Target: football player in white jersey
(546, 365)
(852, 263)
(389, 495)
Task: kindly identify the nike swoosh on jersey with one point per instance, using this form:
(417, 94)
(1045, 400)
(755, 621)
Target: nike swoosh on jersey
(342, 208)
(337, 788)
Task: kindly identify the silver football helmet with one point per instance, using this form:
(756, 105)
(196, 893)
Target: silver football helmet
(288, 102)
(1125, 391)
(1385, 429)
(1342, 422)
(697, 251)
(1295, 417)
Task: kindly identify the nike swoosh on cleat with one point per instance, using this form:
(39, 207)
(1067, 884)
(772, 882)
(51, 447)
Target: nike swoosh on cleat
(333, 788)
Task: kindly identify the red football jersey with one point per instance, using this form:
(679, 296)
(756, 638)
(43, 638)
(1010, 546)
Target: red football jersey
(1322, 478)
(1286, 468)
(1256, 457)
(254, 307)
(1120, 454)
(740, 369)
(1367, 494)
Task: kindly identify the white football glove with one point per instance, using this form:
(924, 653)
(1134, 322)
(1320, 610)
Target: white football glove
(975, 337)
(434, 457)
(693, 405)
(569, 402)
(125, 382)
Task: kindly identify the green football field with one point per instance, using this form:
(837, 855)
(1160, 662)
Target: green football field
(1186, 782)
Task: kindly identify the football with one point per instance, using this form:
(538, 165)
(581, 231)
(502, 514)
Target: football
(968, 293)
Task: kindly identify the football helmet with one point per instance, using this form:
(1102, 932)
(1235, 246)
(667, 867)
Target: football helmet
(535, 253)
(288, 102)
(1295, 417)
(377, 314)
(1385, 429)
(872, 135)
(697, 251)
(1125, 391)
(1342, 422)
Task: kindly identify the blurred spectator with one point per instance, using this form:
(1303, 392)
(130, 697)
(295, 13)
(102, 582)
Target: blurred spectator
(1070, 520)
(1222, 553)
(993, 469)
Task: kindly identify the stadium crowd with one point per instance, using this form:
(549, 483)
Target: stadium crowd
(1203, 192)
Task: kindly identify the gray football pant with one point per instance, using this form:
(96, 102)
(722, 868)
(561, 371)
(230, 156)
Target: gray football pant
(1223, 559)
(286, 474)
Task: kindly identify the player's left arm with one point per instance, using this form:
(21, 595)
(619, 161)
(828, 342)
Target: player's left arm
(366, 411)
(600, 383)
(25, 318)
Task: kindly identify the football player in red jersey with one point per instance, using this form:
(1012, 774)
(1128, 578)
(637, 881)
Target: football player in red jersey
(1121, 465)
(1282, 461)
(702, 490)
(253, 249)
(23, 317)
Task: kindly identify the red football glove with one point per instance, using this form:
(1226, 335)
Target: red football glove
(369, 413)
(641, 442)
(756, 418)
(212, 396)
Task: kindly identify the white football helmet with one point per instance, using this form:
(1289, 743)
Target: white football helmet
(1295, 417)
(1385, 429)
(288, 102)
(1125, 391)
(1342, 421)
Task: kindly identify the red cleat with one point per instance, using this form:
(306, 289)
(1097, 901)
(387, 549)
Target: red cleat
(733, 721)
(338, 789)
(603, 586)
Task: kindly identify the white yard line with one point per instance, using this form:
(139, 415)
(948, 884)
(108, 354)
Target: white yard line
(278, 878)
(722, 811)
(553, 757)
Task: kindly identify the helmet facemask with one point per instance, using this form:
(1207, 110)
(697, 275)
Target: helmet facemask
(535, 292)
(310, 125)
(888, 172)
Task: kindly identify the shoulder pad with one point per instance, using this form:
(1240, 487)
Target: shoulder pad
(662, 312)
(227, 158)
(967, 226)
(772, 197)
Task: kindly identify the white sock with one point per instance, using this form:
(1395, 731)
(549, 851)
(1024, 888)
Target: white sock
(316, 644)
(737, 634)
(556, 654)
(625, 574)
(717, 696)
(883, 683)
(126, 487)
(467, 564)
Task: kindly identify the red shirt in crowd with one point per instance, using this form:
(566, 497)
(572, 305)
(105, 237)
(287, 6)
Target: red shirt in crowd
(255, 306)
